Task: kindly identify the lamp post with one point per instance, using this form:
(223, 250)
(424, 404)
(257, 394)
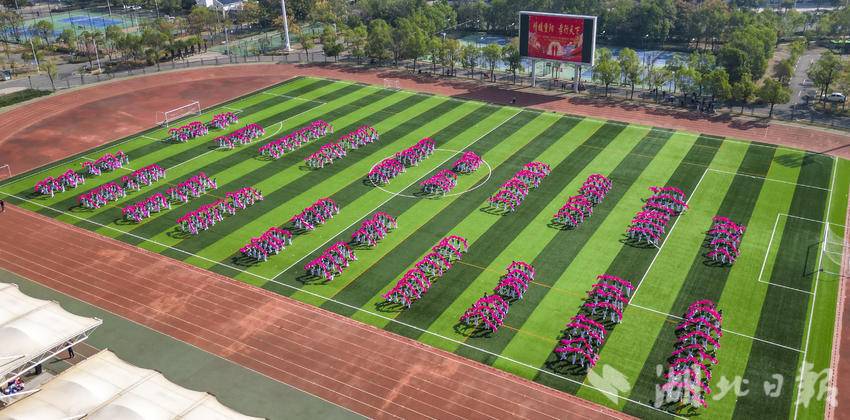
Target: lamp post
(287, 47)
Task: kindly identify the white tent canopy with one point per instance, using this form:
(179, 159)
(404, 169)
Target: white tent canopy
(105, 387)
(34, 330)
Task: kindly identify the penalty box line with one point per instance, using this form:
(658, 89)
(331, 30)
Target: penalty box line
(356, 308)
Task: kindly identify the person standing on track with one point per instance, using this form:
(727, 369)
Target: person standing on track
(2, 206)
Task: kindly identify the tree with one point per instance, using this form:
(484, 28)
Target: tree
(824, 71)
(492, 53)
(657, 77)
(701, 65)
(630, 68)
(744, 90)
(435, 51)
(469, 56)
(379, 41)
(330, 42)
(69, 38)
(717, 83)
(201, 19)
(734, 61)
(784, 70)
(451, 55)
(773, 92)
(411, 42)
(306, 40)
(49, 67)
(356, 39)
(44, 29)
(607, 69)
(113, 34)
(512, 58)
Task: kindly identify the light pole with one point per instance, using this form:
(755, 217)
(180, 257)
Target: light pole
(287, 47)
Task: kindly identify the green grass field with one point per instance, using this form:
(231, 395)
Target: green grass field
(779, 308)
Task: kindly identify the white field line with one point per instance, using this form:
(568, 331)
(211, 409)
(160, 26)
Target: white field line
(770, 179)
(279, 127)
(815, 296)
(667, 238)
(393, 195)
(280, 95)
(769, 244)
(355, 308)
(724, 330)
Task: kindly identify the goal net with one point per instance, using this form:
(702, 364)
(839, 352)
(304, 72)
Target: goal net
(834, 250)
(392, 84)
(5, 172)
(164, 118)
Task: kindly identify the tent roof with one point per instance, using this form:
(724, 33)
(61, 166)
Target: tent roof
(31, 327)
(105, 387)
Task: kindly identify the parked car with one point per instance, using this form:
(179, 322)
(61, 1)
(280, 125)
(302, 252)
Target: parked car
(835, 97)
(6, 75)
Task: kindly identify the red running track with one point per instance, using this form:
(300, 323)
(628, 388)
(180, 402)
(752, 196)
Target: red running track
(365, 369)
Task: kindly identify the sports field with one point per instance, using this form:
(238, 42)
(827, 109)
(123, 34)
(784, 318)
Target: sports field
(778, 300)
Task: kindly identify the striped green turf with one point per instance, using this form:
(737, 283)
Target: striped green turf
(779, 306)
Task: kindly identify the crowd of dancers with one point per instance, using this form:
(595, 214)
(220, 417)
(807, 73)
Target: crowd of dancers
(331, 263)
(468, 163)
(143, 177)
(585, 333)
(331, 152)
(489, 312)
(442, 183)
(390, 168)
(221, 121)
(276, 149)
(318, 213)
(206, 216)
(694, 353)
(99, 196)
(512, 193)
(374, 229)
(724, 240)
(193, 187)
(271, 242)
(240, 137)
(579, 207)
(649, 224)
(50, 185)
(416, 282)
(136, 212)
(188, 132)
(106, 163)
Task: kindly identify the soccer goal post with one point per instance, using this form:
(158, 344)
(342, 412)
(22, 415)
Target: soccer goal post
(392, 84)
(164, 118)
(834, 252)
(5, 172)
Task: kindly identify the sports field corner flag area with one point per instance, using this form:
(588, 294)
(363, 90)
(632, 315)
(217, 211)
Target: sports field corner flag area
(657, 272)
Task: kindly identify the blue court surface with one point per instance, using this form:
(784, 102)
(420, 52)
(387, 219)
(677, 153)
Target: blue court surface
(91, 21)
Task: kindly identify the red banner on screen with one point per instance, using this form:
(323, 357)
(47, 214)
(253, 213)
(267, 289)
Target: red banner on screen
(555, 37)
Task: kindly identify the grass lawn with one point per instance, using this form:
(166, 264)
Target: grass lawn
(778, 299)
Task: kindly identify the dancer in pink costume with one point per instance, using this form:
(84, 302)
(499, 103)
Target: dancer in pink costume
(332, 262)
(511, 194)
(271, 242)
(187, 132)
(193, 187)
(206, 216)
(579, 207)
(221, 121)
(240, 137)
(440, 184)
(724, 240)
(100, 196)
(695, 351)
(487, 313)
(649, 225)
(585, 333)
(276, 149)
(318, 213)
(413, 285)
(374, 229)
(468, 163)
(141, 210)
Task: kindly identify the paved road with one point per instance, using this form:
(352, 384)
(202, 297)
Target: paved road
(800, 107)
